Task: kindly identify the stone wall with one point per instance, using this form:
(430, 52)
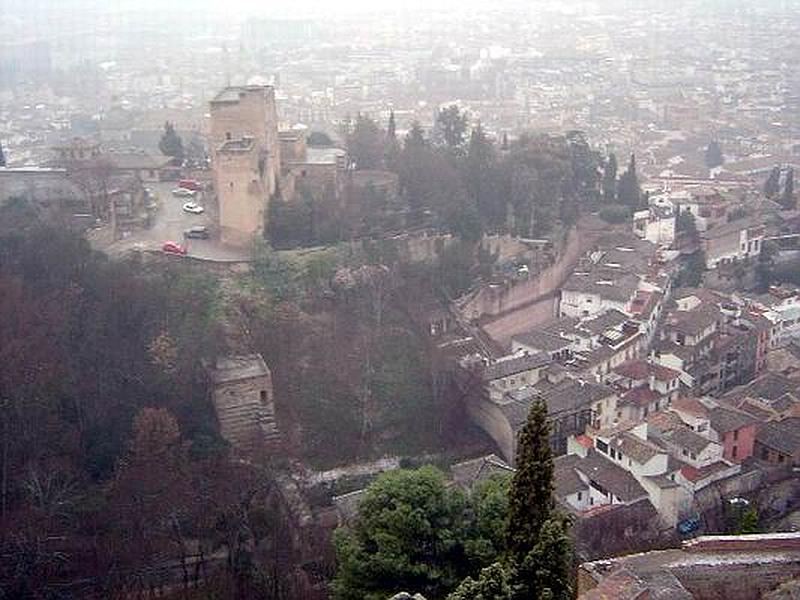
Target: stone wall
(241, 197)
(496, 303)
(620, 529)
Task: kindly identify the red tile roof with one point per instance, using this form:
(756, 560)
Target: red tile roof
(641, 370)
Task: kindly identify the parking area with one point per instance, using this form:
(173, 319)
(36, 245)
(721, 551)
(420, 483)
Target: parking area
(170, 223)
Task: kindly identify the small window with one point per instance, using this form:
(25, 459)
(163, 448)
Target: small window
(263, 395)
(734, 452)
(781, 458)
(580, 496)
(735, 435)
(227, 135)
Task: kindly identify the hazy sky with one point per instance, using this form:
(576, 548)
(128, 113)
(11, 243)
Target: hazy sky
(279, 7)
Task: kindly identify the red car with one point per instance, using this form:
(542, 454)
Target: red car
(190, 184)
(173, 248)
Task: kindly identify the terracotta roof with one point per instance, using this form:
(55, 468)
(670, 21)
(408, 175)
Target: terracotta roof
(610, 476)
(683, 437)
(694, 474)
(542, 341)
(691, 406)
(520, 364)
(640, 396)
(604, 321)
(566, 480)
(724, 419)
(637, 448)
(783, 436)
(692, 322)
(469, 472)
(641, 370)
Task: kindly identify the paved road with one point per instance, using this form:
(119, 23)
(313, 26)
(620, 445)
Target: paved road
(170, 223)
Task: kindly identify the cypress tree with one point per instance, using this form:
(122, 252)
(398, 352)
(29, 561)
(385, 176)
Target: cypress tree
(391, 128)
(2, 156)
(773, 184)
(714, 156)
(530, 498)
(788, 201)
(610, 179)
(629, 192)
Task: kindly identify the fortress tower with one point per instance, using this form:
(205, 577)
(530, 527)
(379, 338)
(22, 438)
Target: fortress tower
(245, 155)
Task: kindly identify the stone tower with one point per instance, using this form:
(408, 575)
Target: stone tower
(245, 155)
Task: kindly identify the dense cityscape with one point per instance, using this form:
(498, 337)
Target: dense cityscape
(439, 301)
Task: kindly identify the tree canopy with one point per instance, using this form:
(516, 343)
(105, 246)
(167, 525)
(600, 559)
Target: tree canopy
(408, 535)
(714, 156)
(171, 143)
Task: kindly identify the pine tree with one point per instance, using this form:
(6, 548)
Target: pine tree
(530, 497)
(788, 201)
(610, 180)
(391, 127)
(2, 156)
(504, 145)
(772, 186)
(714, 156)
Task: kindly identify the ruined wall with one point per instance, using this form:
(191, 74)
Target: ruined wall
(500, 300)
(745, 581)
(618, 529)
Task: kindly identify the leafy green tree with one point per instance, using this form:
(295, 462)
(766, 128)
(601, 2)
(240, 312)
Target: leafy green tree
(171, 143)
(788, 201)
(366, 143)
(487, 534)
(415, 136)
(714, 156)
(407, 536)
(493, 583)
(610, 179)
(691, 275)
(629, 192)
(685, 223)
(615, 213)
(536, 178)
(530, 502)
(766, 266)
(772, 186)
(451, 123)
(585, 173)
(319, 139)
(481, 175)
(749, 522)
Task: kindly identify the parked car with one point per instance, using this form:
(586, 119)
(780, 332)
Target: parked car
(198, 232)
(190, 184)
(193, 207)
(183, 193)
(173, 248)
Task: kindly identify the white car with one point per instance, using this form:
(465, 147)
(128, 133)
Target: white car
(193, 207)
(184, 193)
